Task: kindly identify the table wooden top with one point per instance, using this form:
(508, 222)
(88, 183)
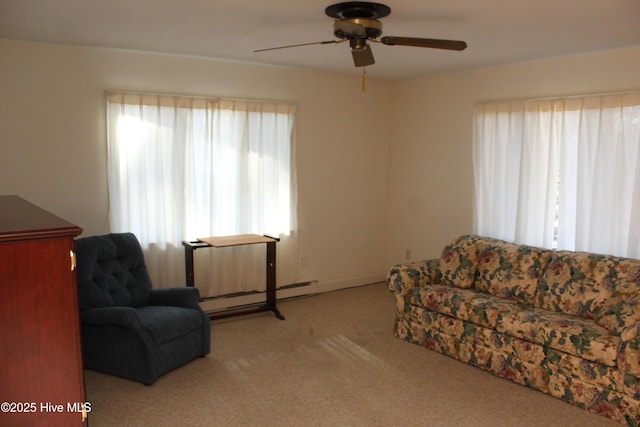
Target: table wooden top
(237, 240)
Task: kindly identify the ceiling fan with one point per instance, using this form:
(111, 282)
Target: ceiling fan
(358, 22)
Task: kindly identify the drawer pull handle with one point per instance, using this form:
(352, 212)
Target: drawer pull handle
(73, 260)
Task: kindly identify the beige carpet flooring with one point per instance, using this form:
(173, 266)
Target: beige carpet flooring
(332, 362)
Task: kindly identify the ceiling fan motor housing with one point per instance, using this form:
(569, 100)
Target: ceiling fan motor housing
(352, 28)
(357, 9)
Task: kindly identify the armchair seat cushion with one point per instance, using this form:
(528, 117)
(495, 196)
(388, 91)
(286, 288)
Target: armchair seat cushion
(164, 323)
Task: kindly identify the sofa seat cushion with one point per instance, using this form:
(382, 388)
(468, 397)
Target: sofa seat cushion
(166, 323)
(511, 271)
(569, 334)
(465, 304)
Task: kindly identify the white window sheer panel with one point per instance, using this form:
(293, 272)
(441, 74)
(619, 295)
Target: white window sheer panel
(181, 168)
(560, 173)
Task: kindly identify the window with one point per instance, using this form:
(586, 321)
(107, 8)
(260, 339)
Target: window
(184, 167)
(560, 173)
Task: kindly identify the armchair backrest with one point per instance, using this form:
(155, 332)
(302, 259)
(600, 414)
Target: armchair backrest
(111, 272)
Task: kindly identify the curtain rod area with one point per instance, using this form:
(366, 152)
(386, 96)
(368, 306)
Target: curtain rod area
(561, 97)
(202, 97)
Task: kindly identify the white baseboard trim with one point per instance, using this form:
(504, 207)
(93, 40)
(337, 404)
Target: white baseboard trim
(294, 291)
(235, 301)
(351, 282)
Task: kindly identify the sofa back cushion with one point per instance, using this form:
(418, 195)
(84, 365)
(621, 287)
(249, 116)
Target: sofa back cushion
(458, 263)
(111, 272)
(585, 284)
(511, 271)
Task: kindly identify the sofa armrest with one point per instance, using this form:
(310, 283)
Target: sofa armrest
(187, 297)
(621, 311)
(404, 277)
(630, 333)
(629, 355)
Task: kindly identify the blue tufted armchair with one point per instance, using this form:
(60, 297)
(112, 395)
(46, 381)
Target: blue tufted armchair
(129, 329)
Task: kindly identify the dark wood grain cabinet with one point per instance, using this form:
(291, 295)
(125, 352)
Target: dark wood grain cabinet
(41, 371)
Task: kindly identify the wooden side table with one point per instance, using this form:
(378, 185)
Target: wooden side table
(238, 240)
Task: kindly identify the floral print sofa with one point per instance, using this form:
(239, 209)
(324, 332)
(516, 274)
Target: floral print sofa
(565, 323)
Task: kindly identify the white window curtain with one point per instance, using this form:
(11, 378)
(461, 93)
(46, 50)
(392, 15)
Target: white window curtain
(182, 168)
(560, 173)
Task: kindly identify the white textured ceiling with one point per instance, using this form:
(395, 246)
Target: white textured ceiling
(497, 31)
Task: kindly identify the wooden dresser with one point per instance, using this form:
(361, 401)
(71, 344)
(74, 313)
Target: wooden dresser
(41, 372)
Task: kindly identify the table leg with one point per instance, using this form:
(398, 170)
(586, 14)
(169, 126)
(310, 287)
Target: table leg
(188, 264)
(271, 280)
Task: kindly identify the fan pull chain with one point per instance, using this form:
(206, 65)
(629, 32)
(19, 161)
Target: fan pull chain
(364, 80)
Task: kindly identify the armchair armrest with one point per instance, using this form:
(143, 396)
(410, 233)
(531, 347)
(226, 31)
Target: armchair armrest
(187, 297)
(404, 277)
(111, 316)
(119, 317)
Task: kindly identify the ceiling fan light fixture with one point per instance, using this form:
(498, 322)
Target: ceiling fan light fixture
(363, 56)
(358, 44)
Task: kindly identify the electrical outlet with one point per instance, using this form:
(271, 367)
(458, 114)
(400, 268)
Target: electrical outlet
(303, 261)
(407, 254)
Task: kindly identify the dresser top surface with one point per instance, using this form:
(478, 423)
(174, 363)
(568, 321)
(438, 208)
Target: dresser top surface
(22, 220)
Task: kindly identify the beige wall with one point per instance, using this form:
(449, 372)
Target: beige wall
(430, 162)
(53, 142)
(379, 173)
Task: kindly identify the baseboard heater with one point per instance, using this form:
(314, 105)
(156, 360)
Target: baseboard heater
(240, 300)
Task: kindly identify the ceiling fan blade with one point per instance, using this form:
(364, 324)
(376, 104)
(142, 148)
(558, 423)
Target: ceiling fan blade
(363, 57)
(418, 42)
(298, 45)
